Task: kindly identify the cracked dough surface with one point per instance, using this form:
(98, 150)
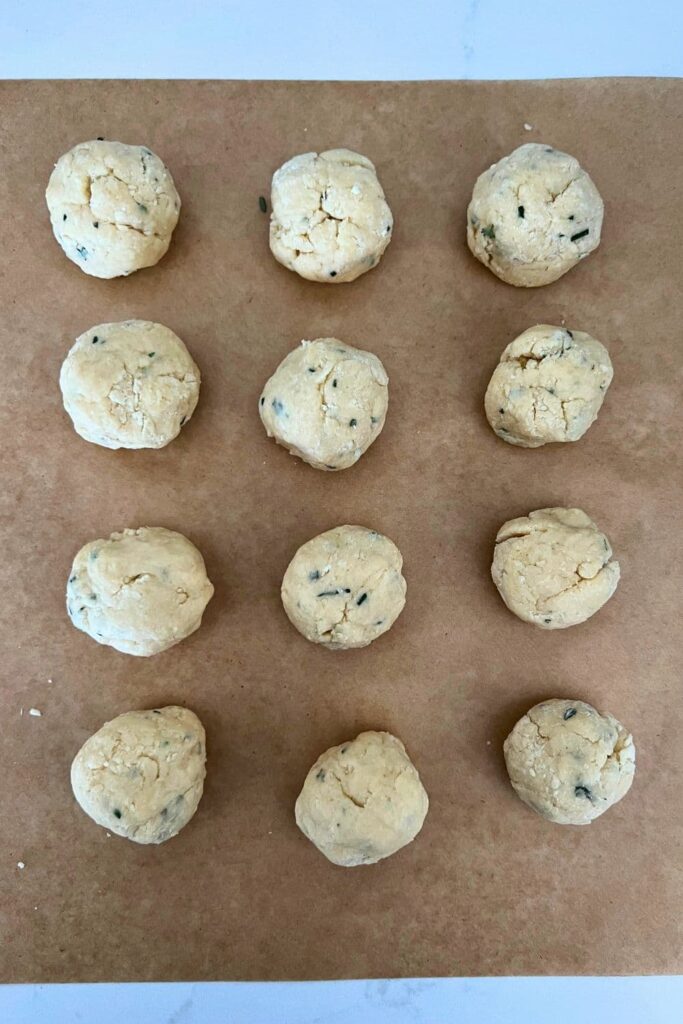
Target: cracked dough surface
(113, 207)
(344, 588)
(362, 800)
(330, 221)
(139, 591)
(142, 774)
(569, 762)
(326, 403)
(548, 386)
(129, 385)
(554, 567)
(533, 216)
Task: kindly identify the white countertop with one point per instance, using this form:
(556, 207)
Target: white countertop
(356, 39)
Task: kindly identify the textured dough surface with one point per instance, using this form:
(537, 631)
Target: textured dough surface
(330, 221)
(362, 800)
(142, 774)
(129, 385)
(554, 567)
(344, 588)
(113, 207)
(533, 216)
(140, 591)
(548, 386)
(326, 403)
(569, 762)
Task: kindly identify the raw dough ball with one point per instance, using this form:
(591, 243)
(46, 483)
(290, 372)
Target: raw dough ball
(553, 567)
(141, 591)
(533, 216)
(330, 220)
(344, 588)
(569, 762)
(326, 403)
(548, 386)
(113, 207)
(129, 385)
(362, 801)
(142, 774)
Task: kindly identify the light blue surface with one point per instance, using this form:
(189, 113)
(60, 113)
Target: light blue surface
(385, 39)
(356, 39)
(433, 1001)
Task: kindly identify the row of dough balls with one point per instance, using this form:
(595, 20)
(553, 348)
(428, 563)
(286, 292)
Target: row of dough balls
(532, 217)
(142, 775)
(134, 385)
(142, 591)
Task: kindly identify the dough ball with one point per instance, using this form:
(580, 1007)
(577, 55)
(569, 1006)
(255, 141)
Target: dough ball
(569, 762)
(113, 207)
(362, 801)
(129, 385)
(330, 220)
(344, 588)
(533, 216)
(548, 386)
(142, 774)
(141, 591)
(326, 403)
(554, 567)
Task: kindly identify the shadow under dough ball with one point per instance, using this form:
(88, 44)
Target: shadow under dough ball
(129, 385)
(362, 801)
(569, 762)
(142, 775)
(326, 403)
(344, 588)
(113, 207)
(554, 567)
(533, 216)
(330, 221)
(548, 387)
(139, 591)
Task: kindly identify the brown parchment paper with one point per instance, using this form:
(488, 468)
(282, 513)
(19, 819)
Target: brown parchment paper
(488, 887)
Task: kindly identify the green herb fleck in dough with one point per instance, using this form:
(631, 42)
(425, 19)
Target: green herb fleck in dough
(321, 775)
(151, 354)
(579, 234)
(569, 713)
(117, 812)
(142, 207)
(489, 232)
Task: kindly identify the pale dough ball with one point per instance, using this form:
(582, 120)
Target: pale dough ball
(362, 800)
(344, 588)
(129, 385)
(554, 567)
(549, 386)
(140, 591)
(569, 762)
(326, 403)
(533, 216)
(142, 774)
(113, 207)
(330, 221)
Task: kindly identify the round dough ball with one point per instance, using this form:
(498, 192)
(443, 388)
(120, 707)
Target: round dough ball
(326, 403)
(330, 221)
(344, 588)
(533, 216)
(362, 801)
(142, 774)
(569, 762)
(113, 207)
(129, 385)
(554, 567)
(548, 386)
(141, 591)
